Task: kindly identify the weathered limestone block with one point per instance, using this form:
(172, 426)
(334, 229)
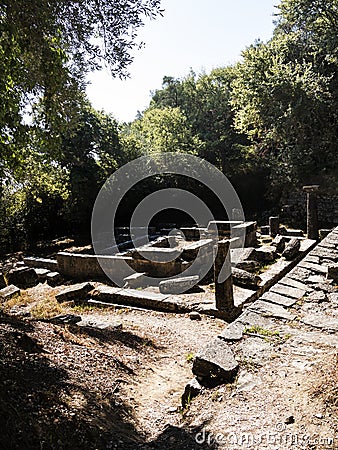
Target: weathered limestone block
(154, 254)
(274, 225)
(248, 230)
(245, 279)
(190, 251)
(54, 279)
(279, 243)
(41, 263)
(265, 230)
(265, 254)
(332, 272)
(42, 274)
(135, 280)
(292, 249)
(216, 361)
(9, 292)
(178, 285)
(250, 266)
(23, 277)
(75, 292)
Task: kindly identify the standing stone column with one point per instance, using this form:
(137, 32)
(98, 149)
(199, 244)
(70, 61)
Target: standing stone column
(312, 211)
(223, 290)
(274, 225)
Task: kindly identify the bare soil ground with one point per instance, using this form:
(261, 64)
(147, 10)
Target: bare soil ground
(62, 387)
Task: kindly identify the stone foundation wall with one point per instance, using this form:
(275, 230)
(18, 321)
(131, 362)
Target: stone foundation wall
(293, 210)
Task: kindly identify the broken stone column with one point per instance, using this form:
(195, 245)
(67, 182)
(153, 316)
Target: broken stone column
(224, 294)
(312, 211)
(274, 225)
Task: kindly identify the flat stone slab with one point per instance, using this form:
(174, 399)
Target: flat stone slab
(135, 280)
(288, 291)
(278, 299)
(216, 360)
(178, 285)
(41, 263)
(316, 268)
(91, 323)
(42, 274)
(233, 332)
(322, 322)
(75, 292)
(9, 292)
(294, 283)
(271, 310)
(156, 254)
(138, 298)
(191, 251)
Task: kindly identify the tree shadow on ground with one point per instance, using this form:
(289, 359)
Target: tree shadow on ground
(43, 405)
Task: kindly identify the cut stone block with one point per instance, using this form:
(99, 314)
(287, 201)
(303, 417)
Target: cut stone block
(239, 255)
(41, 263)
(288, 291)
(54, 279)
(42, 274)
(271, 310)
(318, 321)
(191, 251)
(316, 268)
(22, 277)
(178, 285)
(294, 233)
(9, 292)
(265, 254)
(249, 266)
(265, 230)
(159, 255)
(294, 283)
(279, 243)
(76, 292)
(332, 272)
(278, 299)
(135, 280)
(216, 361)
(245, 279)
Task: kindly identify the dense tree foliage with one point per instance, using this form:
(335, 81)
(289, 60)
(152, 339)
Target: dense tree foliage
(269, 122)
(46, 48)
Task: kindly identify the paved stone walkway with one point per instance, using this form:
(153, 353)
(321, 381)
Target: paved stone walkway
(299, 311)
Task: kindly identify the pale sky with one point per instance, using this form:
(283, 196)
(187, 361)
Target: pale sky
(192, 34)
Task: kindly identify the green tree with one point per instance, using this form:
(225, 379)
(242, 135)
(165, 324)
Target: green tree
(285, 93)
(165, 130)
(46, 48)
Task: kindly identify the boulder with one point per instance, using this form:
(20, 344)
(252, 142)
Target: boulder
(279, 243)
(75, 292)
(245, 279)
(23, 277)
(216, 362)
(178, 285)
(192, 389)
(292, 249)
